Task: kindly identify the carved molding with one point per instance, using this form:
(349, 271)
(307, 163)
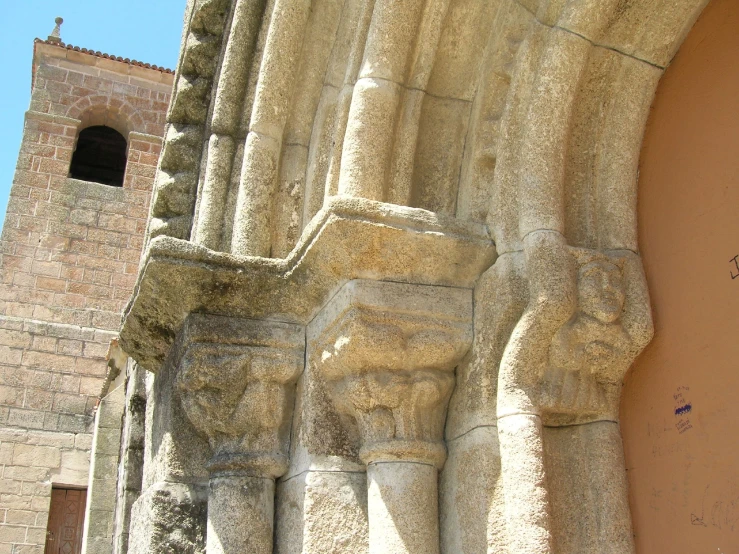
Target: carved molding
(347, 240)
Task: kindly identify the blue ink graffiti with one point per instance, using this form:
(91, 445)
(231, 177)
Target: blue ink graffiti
(682, 410)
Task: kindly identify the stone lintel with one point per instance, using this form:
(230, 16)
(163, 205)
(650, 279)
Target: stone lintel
(350, 238)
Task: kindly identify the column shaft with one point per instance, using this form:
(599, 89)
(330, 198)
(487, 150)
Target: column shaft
(403, 508)
(524, 479)
(209, 227)
(240, 515)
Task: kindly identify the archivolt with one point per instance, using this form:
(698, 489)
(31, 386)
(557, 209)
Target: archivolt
(525, 114)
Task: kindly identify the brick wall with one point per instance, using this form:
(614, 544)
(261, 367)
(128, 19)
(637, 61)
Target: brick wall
(69, 254)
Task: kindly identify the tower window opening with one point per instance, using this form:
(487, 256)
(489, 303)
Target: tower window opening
(100, 156)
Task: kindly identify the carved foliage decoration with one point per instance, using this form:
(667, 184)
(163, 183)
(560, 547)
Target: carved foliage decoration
(179, 165)
(391, 375)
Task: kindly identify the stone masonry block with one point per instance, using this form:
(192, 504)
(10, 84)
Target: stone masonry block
(12, 534)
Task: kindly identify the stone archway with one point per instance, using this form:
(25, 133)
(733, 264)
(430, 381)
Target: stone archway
(472, 144)
(104, 110)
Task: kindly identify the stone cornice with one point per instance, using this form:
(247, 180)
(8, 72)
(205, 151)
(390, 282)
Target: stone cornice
(350, 238)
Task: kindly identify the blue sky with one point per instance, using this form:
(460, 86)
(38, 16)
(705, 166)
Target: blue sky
(145, 30)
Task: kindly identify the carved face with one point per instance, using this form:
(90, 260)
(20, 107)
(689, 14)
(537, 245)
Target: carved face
(601, 291)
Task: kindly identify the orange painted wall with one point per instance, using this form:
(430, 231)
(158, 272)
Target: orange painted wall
(680, 406)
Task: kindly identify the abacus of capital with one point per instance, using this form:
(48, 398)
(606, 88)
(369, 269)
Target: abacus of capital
(391, 283)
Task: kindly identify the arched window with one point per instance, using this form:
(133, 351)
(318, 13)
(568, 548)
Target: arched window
(100, 156)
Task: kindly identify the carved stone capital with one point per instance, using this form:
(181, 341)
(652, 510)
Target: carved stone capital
(590, 354)
(588, 318)
(237, 383)
(388, 353)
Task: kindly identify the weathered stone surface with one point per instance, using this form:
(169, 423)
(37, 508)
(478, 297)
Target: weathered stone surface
(131, 462)
(237, 381)
(387, 352)
(240, 514)
(472, 518)
(403, 508)
(171, 513)
(513, 121)
(319, 441)
(173, 450)
(587, 319)
(101, 491)
(322, 511)
(500, 298)
(169, 518)
(613, 89)
(399, 244)
(585, 467)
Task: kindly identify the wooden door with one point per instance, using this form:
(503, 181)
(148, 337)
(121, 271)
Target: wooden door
(66, 519)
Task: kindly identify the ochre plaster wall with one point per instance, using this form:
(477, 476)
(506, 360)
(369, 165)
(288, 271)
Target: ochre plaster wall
(680, 407)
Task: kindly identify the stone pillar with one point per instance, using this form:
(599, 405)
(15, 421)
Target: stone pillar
(170, 513)
(131, 461)
(237, 382)
(388, 353)
(378, 94)
(240, 512)
(403, 507)
(253, 218)
(101, 495)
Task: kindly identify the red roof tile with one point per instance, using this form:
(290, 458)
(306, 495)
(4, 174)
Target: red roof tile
(106, 56)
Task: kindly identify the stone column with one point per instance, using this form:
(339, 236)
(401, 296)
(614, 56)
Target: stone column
(170, 515)
(237, 381)
(388, 353)
(262, 150)
(101, 496)
(131, 461)
(587, 319)
(240, 511)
